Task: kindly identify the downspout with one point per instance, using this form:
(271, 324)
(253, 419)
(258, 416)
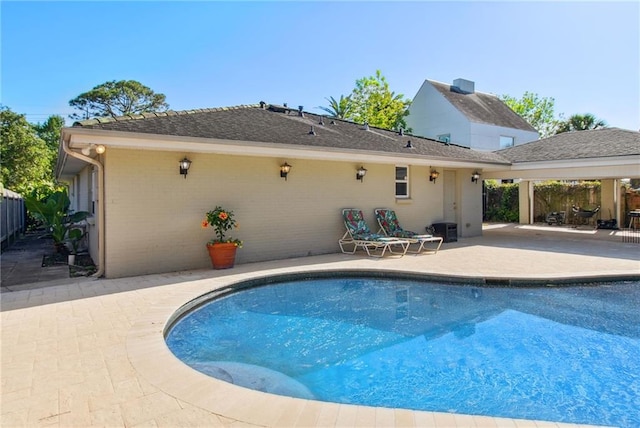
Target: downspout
(101, 252)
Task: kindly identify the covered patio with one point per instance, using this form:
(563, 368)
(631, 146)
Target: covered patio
(608, 155)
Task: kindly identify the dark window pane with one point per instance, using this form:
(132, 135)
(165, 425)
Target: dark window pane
(401, 173)
(401, 189)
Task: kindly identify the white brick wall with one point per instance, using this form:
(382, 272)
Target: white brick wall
(154, 215)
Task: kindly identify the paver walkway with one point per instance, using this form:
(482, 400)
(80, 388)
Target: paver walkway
(91, 352)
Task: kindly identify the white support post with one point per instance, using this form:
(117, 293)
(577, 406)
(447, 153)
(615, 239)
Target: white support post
(525, 200)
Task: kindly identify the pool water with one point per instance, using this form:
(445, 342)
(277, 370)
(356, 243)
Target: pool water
(565, 354)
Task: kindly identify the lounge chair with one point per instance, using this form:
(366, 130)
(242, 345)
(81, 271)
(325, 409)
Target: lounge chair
(390, 226)
(359, 235)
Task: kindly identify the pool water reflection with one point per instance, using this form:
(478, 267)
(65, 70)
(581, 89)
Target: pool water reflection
(569, 354)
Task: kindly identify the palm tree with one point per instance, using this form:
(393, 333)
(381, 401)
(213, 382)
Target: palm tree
(581, 122)
(340, 109)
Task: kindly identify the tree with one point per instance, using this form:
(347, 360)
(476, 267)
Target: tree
(538, 112)
(50, 131)
(117, 99)
(338, 108)
(26, 161)
(372, 102)
(581, 122)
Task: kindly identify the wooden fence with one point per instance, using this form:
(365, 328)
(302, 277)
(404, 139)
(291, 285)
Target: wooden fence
(12, 217)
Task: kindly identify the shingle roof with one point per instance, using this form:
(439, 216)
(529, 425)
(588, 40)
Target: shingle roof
(597, 143)
(482, 108)
(281, 125)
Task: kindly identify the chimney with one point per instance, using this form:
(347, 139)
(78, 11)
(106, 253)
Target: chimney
(464, 86)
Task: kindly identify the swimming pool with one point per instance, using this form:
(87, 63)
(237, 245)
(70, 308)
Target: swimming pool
(567, 354)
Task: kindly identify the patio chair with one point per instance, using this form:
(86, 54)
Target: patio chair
(360, 236)
(390, 226)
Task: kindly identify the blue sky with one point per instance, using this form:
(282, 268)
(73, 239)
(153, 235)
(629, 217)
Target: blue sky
(586, 55)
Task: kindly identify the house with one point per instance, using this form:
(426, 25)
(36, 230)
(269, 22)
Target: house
(461, 115)
(147, 210)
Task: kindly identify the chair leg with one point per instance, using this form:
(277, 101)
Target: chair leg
(343, 243)
(403, 244)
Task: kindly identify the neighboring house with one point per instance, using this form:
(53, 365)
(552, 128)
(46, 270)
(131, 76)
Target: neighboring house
(460, 115)
(607, 155)
(147, 216)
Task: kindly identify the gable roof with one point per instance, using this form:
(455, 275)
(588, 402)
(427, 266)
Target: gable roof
(279, 125)
(480, 107)
(599, 143)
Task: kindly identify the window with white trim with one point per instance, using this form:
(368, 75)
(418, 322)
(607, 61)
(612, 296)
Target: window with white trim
(444, 138)
(506, 141)
(402, 181)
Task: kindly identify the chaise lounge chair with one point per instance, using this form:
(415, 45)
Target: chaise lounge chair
(390, 226)
(359, 235)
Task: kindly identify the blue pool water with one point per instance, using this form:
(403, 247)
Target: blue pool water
(565, 354)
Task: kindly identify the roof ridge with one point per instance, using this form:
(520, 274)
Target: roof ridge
(475, 91)
(146, 115)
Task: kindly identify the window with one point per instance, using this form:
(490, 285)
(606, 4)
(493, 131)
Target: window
(444, 138)
(506, 142)
(402, 181)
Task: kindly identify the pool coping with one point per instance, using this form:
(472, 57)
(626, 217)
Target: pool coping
(150, 356)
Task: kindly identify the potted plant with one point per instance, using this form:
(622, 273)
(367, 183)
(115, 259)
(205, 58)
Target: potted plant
(222, 250)
(75, 236)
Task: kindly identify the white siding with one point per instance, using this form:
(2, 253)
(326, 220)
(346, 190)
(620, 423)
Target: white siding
(487, 137)
(430, 115)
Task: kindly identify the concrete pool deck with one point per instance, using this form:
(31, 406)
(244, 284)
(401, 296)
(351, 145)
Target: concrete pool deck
(89, 352)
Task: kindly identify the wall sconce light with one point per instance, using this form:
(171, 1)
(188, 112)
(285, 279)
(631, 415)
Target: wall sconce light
(475, 176)
(360, 173)
(100, 149)
(433, 175)
(284, 170)
(185, 164)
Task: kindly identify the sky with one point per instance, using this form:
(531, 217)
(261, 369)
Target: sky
(204, 54)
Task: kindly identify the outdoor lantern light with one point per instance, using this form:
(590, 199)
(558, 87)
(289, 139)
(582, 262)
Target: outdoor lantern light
(185, 164)
(284, 170)
(433, 175)
(475, 176)
(100, 149)
(360, 173)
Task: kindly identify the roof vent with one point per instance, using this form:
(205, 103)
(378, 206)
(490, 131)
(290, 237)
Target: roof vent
(312, 132)
(262, 104)
(300, 112)
(401, 131)
(366, 126)
(321, 120)
(333, 122)
(409, 145)
(464, 86)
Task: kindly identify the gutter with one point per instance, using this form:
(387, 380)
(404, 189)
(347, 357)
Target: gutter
(101, 217)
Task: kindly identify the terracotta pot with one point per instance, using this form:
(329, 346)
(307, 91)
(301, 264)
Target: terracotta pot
(223, 256)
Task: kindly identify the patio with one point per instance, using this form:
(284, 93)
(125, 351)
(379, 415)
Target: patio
(90, 352)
